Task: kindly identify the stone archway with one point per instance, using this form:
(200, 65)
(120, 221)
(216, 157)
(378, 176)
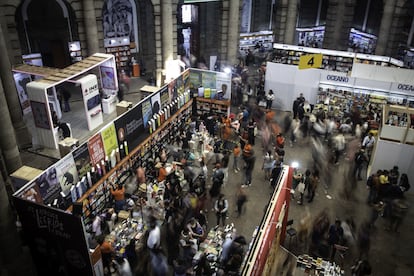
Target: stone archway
(46, 27)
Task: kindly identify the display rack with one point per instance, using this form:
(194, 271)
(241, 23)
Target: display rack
(217, 107)
(96, 198)
(340, 61)
(120, 48)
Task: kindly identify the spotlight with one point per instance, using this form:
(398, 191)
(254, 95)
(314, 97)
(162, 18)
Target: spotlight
(227, 70)
(294, 165)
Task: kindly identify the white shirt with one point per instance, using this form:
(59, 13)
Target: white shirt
(368, 141)
(96, 226)
(124, 269)
(154, 238)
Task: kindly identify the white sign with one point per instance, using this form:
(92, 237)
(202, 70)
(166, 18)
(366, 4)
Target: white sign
(92, 101)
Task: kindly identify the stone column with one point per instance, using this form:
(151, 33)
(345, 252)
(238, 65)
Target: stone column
(233, 34)
(338, 24)
(89, 20)
(11, 104)
(385, 26)
(167, 32)
(279, 21)
(158, 42)
(9, 101)
(291, 20)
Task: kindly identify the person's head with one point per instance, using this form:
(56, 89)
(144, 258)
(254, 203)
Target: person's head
(221, 196)
(218, 165)
(271, 92)
(370, 134)
(307, 172)
(337, 222)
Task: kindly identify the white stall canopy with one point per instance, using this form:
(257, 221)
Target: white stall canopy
(40, 91)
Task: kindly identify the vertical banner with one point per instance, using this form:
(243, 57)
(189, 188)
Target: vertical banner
(49, 186)
(179, 84)
(146, 112)
(186, 79)
(109, 140)
(66, 172)
(96, 149)
(21, 80)
(209, 79)
(92, 101)
(56, 239)
(156, 103)
(130, 127)
(165, 99)
(223, 83)
(82, 159)
(195, 79)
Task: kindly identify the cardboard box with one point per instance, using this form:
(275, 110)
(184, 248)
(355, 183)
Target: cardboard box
(23, 175)
(122, 107)
(67, 145)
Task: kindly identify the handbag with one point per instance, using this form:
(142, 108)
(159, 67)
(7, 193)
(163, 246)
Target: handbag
(301, 187)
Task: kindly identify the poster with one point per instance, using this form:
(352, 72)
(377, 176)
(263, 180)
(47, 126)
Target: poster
(146, 112)
(223, 82)
(40, 115)
(209, 79)
(49, 186)
(21, 80)
(195, 79)
(32, 193)
(130, 128)
(66, 172)
(56, 239)
(165, 99)
(107, 77)
(109, 139)
(156, 103)
(179, 84)
(82, 160)
(186, 79)
(96, 149)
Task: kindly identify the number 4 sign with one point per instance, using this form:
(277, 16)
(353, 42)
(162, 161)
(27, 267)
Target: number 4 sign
(310, 61)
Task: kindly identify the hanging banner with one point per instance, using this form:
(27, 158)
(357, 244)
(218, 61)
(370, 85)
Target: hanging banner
(195, 79)
(56, 239)
(82, 159)
(92, 101)
(164, 96)
(146, 112)
(130, 128)
(96, 149)
(209, 79)
(310, 61)
(109, 139)
(21, 80)
(49, 186)
(156, 103)
(66, 172)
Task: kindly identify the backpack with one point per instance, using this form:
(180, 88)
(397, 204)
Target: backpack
(359, 158)
(370, 181)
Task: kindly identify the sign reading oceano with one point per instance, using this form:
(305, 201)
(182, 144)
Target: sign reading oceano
(337, 78)
(405, 87)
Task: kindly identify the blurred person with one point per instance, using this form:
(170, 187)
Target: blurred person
(268, 163)
(368, 144)
(314, 182)
(236, 157)
(339, 146)
(269, 99)
(294, 131)
(335, 237)
(221, 206)
(241, 199)
(249, 160)
(122, 266)
(359, 161)
(119, 196)
(364, 240)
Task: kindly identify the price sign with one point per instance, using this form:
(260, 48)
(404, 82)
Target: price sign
(310, 61)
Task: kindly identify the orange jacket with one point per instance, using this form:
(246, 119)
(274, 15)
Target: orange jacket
(162, 174)
(106, 247)
(119, 194)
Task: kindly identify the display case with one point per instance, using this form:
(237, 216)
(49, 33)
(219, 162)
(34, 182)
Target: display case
(397, 124)
(217, 107)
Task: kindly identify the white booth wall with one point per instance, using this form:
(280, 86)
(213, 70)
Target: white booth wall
(287, 82)
(389, 154)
